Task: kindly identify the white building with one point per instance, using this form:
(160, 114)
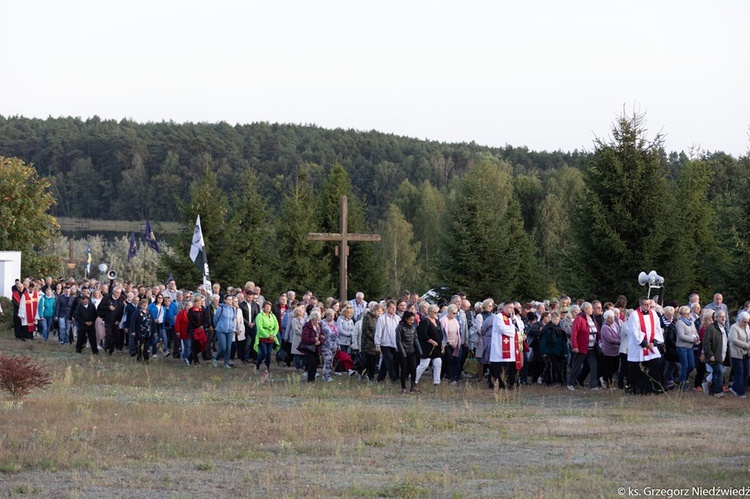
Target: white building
(10, 270)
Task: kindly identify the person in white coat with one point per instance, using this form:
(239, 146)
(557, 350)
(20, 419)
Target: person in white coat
(505, 350)
(645, 373)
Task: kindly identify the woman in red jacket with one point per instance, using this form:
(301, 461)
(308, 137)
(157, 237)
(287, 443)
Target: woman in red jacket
(584, 337)
(180, 329)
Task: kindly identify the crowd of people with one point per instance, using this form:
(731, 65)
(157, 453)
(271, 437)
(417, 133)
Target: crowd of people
(647, 349)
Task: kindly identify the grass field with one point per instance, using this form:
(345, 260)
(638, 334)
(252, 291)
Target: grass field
(110, 427)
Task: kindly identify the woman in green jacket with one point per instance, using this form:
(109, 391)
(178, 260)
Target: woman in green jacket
(265, 339)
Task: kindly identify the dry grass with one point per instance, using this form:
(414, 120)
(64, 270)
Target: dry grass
(110, 427)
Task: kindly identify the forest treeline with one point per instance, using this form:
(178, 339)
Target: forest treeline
(97, 166)
(492, 221)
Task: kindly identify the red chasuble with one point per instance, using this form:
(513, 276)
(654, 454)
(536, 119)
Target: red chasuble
(649, 339)
(32, 302)
(516, 345)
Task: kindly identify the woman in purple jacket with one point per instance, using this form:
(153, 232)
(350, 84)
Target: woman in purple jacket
(610, 345)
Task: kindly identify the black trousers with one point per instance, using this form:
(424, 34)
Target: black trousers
(86, 333)
(609, 367)
(646, 377)
(250, 351)
(503, 375)
(700, 371)
(536, 366)
(623, 374)
(194, 351)
(143, 348)
(211, 345)
(312, 366)
(110, 332)
(238, 350)
(552, 369)
(389, 354)
(578, 374)
(370, 362)
(408, 368)
(17, 323)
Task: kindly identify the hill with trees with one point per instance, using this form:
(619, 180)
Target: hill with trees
(522, 223)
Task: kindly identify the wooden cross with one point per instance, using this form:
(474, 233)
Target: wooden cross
(343, 239)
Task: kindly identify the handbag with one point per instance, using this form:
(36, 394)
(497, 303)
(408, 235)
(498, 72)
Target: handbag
(307, 347)
(471, 365)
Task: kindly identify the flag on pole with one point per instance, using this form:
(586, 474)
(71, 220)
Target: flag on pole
(198, 253)
(150, 237)
(133, 250)
(88, 259)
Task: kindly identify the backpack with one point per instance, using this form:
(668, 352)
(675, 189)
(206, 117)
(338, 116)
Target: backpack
(282, 356)
(670, 337)
(670, 343)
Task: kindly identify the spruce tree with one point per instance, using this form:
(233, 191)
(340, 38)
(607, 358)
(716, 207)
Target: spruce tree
(621, 218)
(474, 238)
(207, 200)
(366, 271)
(302, 263)
(255, 251)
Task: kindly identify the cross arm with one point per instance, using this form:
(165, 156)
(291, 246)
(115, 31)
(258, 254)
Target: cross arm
(363, 237)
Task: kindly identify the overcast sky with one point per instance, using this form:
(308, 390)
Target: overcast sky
(543, 74)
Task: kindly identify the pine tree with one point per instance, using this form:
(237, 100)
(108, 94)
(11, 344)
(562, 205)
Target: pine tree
(521, 259)
(204, 199)
(254, 253)
(621, 219)
(365, 268)
(474, 240)
(733, 215)
(302, 264)
(692, 243)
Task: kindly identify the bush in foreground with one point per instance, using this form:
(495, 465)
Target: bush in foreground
(19, 375)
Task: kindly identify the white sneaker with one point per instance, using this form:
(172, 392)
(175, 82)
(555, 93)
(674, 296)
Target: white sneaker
(571, 388)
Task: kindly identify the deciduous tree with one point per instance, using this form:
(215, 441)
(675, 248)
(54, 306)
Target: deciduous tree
(26, 224)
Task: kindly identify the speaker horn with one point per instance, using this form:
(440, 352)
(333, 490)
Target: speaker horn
(643, 279)
(112, 275)
(655, 279)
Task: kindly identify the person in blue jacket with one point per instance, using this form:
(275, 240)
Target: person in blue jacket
(224, 325)
(159, 313)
